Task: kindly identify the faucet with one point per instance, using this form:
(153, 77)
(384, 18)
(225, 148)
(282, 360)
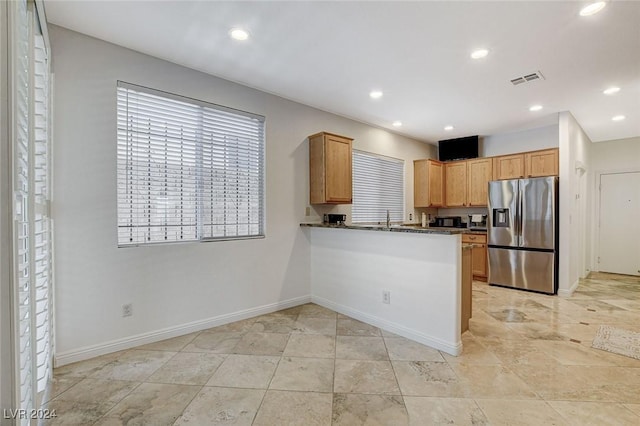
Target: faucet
(388, 219)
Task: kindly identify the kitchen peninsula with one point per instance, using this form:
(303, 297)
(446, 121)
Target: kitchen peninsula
(406, 280)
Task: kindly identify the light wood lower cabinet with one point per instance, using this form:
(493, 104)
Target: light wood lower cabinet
(479, 255)
(465, 308)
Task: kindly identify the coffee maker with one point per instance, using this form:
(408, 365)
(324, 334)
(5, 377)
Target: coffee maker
(477, 222)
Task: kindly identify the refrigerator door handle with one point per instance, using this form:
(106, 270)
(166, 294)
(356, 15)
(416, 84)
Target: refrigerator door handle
(517, 223)
(520, 213)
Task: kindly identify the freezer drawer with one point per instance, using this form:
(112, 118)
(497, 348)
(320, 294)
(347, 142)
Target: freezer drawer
(528, 270)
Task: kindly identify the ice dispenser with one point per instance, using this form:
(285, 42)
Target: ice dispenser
(501, 218)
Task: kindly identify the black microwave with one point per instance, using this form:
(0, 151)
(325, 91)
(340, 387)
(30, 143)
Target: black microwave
(448, 222)
(335, 219)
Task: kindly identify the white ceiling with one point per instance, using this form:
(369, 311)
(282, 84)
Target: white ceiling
(331, 54)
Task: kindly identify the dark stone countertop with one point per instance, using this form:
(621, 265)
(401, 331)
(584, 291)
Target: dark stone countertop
(393, 228)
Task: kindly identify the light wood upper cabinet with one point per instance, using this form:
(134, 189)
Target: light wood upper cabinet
(456, 184)
(465, 183)
(508, 167)
(428, 183)
(480, 172)
(330, 169)
(541, 163)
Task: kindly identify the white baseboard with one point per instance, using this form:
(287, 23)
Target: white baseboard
(451, 348)
(92, 351)
(568, 292)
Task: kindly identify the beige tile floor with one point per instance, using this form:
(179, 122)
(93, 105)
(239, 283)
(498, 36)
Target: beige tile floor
(527, 360)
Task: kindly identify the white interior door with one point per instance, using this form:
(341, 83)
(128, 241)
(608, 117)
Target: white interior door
(619, 248)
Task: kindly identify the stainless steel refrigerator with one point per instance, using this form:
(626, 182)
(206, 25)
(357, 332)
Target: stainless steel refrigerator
(523, 234)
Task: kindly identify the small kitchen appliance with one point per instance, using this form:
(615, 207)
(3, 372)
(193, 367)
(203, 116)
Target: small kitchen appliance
(335, 219)
(448, 222)
(477, 222)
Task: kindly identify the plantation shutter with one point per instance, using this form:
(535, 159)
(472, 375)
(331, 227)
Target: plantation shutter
(378, 186)
(31, 228)
(41, 244)
(24, 305)
(187, 170)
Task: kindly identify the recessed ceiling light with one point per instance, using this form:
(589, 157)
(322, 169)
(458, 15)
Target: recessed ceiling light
(593, 8)
(480, 53)
(618, 118)
(375, 94)
(535, 108)
(238, 34)
(448, 128)
(397, 123)
(611, 90)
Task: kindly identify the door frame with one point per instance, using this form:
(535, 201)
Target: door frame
(595, 226)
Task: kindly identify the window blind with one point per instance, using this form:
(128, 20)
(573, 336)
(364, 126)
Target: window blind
(187, 170)
(378, 186)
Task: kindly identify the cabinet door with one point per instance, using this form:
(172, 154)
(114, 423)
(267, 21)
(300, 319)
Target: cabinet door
(541, 163)
(338, 169)
(508, 167)
(420, 183)
(436, 184)
(428, 183)
(456, 184)
(479, 254)
(479, 261)
(480, 173)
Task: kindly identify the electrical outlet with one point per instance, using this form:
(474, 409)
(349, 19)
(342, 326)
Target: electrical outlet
(386, 297)
(127, 310)
(410, 216)
(307, 211)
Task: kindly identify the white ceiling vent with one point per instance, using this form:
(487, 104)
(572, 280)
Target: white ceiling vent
(526, 78)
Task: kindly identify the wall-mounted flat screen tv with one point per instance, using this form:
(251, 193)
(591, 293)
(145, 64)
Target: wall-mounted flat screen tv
(458, 149)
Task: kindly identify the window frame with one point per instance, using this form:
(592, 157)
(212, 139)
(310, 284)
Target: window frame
(201, 168)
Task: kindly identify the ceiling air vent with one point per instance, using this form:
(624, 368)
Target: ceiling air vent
(526, 78)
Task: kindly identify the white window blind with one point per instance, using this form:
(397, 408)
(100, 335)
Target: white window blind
(187, 170)
(378, 186)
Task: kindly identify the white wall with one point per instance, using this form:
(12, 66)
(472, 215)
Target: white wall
(574, 217)
(422, 273)
(616, 155)
(178, 287)
(520, 141)
(621, 155)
